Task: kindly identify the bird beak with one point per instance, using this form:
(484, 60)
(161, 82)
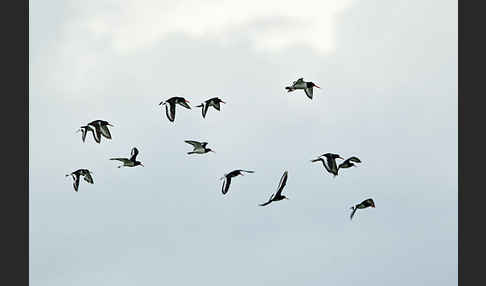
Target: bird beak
(187, 101)
(111, 125)
(223, 102)
(213, 151)
(316, 85)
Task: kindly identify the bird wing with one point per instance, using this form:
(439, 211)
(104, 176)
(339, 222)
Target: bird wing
(216, 105)
(282, 183)
(170, 114)
(195, 144)
(300, 80)
(105, 131)
(354, 159)
(83, 133)
(332, 166)
(267, 202)
(226, 184)
(97, 139)
(352, 213)
(87, 177)
(98, 133)
(124, 160)
(309, 92)
(76, 182)
(205, 109)
(134, 154)
(246, 171)
(183, 103)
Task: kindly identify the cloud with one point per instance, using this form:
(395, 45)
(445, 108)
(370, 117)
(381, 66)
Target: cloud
(270, 25)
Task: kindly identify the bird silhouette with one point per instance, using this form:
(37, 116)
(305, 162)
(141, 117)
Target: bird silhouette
(227, 179)
(307, 86)
(364, 204)
(170, 106)
(130, 162)
(214, 102)
(77, 174)
(199, 147)
(278, 195)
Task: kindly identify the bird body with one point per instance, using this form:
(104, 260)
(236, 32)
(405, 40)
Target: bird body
(130, 162)
(364, 204)
(199, 147)
(170, 106)
(307, 86)
(214, 102)
(227, 179)
(278, 195)
(76, 177)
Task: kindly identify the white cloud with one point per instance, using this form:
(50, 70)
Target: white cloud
(138, 24)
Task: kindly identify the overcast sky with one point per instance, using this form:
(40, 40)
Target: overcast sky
(388, 72)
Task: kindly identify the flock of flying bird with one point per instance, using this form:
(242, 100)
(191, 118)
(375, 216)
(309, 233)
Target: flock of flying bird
(99, 129)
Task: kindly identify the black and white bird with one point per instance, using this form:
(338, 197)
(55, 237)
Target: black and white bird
(85, 129)
(77, 174)
(101, 128)
(330, 163)
(170, 106)
(199, 147)
(348, 163)
(364, 204)
(278, 195)
(130, 162)
(227, 179)
(214, 102)
(307, 86)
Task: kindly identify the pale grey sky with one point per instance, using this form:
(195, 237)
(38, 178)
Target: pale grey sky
(388, 72)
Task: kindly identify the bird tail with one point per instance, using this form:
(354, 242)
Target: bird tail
(315, 160)
(289, 88)
(200, 105)
(189, 153)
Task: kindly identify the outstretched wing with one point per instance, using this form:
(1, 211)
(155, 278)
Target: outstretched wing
(283, 182)
(269, 201)
(105, 132)
(170, 111)
(195, 144)
(354, 159)
(205, 107)
(87, 177)
(352, 213)
(216, 105)
(226, 184)
(183, 102)
(134, 154)
(124, 160)
(309, 92)
(76, 182)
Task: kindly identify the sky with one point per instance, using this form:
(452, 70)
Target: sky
(388, 72)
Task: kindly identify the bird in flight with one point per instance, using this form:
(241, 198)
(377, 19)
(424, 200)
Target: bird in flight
(330, 164)
(101, 128)
(364, 204)
(348, 163)
(278, 195)
(214, 102)
(227, 179)
(132, 161)
(199, 147)
(85, 129)
(170, 106)
(307, 86)
(77, 174)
